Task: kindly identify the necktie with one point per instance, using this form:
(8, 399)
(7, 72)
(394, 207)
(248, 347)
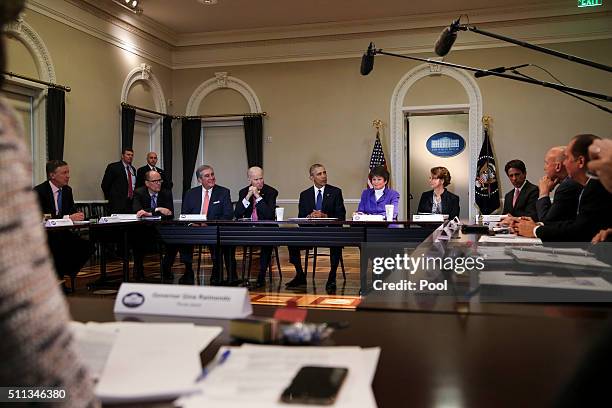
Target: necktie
(205, 204)
(130, 187)
(154, 202)
(59, 202)
(254, 216)
(319, 203)
(516, 195)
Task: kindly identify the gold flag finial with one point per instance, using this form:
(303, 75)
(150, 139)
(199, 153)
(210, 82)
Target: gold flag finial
(486, 121)
(378, 124)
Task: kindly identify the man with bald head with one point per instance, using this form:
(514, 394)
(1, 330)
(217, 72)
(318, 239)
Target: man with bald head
(594, 202)
(565, 202)
(152, 165)
(257, 201)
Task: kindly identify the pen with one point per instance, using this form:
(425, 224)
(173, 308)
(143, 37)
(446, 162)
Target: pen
(206, 370)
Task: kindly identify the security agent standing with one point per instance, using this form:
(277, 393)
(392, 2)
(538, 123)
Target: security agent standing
(119, 182)
(152, 165)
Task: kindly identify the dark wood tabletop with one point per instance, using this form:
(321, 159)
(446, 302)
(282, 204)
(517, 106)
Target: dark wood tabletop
(432, 359)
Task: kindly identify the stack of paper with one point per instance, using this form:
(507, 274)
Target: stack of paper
(255, 376)
(509, 239)
(143, 361)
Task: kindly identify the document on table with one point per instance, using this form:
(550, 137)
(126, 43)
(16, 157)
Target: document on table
(559, 259)
(143, 361)
(256, 376)
(527, 279)
(509, 239)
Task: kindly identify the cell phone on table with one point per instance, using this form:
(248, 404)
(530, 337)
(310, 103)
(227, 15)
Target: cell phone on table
(315, 385)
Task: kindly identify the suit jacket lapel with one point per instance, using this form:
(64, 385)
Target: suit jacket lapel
(50, 195)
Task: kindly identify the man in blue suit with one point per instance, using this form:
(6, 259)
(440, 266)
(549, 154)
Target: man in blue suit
(215, 202)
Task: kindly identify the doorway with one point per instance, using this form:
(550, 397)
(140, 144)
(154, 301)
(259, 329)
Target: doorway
(419, 128)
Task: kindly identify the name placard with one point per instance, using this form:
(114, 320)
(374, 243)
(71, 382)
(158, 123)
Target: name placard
(125, 217)
(61, 222)
(192, 217)
(179, 300)
(492, 218)
(368, 217)
(428, 217)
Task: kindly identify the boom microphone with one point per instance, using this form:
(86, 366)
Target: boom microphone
(499, 70)
(367, 61)
(447, 38)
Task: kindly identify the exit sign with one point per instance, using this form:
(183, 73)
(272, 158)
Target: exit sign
(589, 3)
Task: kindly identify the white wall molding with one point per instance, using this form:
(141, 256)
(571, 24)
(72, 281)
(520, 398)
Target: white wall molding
(545, 23)
(23, 32)
(220, 81)
(144, 73)
(95, 22)
(399, 161)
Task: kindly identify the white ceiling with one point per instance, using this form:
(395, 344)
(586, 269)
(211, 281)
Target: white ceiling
(189, 16)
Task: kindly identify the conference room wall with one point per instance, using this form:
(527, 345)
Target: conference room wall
(322, 111)
(318, 110)
(96, 71)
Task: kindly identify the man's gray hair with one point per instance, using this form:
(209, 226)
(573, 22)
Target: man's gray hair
(201, 169)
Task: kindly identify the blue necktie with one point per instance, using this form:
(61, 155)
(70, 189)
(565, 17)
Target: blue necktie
(59, 202)
(319, 203)
(154, 202)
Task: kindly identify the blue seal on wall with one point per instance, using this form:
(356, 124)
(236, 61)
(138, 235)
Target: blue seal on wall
(133, 299)
(445, 144)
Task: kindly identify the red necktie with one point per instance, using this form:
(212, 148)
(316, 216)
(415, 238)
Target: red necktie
(254, 216)
(130, 187)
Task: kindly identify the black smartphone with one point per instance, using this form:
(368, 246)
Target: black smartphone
(315, 385)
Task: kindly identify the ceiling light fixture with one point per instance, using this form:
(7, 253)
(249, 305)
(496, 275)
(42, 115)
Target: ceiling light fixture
(131, 5)
(208, 2)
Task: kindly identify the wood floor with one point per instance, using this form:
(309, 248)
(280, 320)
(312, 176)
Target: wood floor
(314, 295)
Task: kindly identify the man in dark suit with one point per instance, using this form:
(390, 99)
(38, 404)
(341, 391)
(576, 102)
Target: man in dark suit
(152, 165)
(215, 202)
(119, 182)
(565, 204)
(521, 201)
(320, 201)
(593, 205)
(70, 252)
(257, 201)
(150, 200)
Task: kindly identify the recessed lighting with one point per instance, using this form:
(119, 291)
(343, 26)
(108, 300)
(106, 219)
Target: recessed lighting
(208, 2)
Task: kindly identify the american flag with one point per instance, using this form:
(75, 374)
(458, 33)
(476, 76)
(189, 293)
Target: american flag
(378, 156)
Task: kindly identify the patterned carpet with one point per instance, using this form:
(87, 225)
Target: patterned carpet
(274, 293)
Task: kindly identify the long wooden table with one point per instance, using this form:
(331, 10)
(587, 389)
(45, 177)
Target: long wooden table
(434, 359)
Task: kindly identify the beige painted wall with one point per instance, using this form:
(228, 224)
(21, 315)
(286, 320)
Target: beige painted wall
(322, 111)
(95, 70)
(318, 111)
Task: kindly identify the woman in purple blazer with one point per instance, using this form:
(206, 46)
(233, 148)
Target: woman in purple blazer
(373, 200)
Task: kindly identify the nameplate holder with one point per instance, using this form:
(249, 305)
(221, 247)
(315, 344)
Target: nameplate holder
(125, 217)
(192, 217)
(368, 217)
(62, 222)
(180, 300)
(492, 218)
(428, 217)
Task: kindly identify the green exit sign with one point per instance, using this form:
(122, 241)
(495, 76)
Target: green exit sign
(589, 3)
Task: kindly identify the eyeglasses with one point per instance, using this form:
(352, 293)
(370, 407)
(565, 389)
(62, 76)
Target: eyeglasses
(156, 181)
